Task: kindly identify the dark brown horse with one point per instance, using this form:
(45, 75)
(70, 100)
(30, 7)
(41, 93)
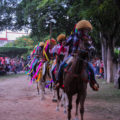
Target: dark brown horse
(60, 91)
(75, 82)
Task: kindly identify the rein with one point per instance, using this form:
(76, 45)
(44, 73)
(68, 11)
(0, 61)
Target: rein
(69, 72)
(76, 75)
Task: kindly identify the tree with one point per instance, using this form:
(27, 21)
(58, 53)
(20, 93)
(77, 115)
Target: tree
(39, 17)
(104, 16)
(7, 11)
(12, 51)
(24, 41)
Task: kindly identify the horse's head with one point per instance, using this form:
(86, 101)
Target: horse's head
(92, 52)
(82, 55)
(80, 61)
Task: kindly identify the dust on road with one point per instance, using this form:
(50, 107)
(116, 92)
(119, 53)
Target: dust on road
(19, 101)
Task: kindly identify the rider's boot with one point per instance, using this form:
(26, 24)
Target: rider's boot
(93, 83)
(59, 80)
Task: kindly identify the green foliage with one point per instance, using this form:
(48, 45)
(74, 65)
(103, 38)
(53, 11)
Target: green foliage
(37, 15)
(7, 10)
(13, 51)
(24, 41)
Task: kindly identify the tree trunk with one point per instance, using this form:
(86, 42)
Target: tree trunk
(109, 65)
(115, 73)
(104, 54)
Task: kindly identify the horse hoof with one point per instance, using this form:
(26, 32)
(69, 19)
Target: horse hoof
(57, 109)
(61, 105)
(76, 118)
(65, 111)
(54, 100)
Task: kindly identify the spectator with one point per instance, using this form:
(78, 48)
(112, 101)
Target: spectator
(97, 66)
(119, 79)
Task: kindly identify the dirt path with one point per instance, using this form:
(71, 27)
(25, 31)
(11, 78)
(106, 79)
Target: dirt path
(19, 101)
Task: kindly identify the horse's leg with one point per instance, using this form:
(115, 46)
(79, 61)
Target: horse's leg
(54, 99)
(77, 105)
(42, 90)
(58, 99)
(82, 100)
(43, 82)
(69, 106)
(65, 103)
(51, 87)
(38, 88)
(62, 98)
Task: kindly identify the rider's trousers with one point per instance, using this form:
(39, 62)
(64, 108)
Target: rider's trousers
(52, 73)
(90, 68)
(63, 65)
(91, 71)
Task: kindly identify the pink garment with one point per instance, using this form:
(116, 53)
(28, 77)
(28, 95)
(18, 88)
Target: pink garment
(101, 65)
(60, 50)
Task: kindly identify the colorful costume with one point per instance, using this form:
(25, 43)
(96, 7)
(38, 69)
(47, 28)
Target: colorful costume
(60, 51)
(76, 42)
(47, 54)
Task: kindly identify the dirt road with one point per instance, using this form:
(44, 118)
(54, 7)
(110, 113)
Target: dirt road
(19, 101)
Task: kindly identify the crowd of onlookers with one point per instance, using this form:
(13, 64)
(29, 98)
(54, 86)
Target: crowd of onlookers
(11, 65)
(98, 67)
(99, 70)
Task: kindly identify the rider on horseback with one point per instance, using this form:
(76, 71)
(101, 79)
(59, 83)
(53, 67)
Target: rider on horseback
(47, 53)
(60, 51)
(78, 41)
(37, 55)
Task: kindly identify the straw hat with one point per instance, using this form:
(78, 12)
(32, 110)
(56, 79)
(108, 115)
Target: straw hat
(51, 41)
(84, 24)
(41, 44)
(61, 37)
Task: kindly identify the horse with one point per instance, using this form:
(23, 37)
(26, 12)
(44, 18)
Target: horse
(61, 96)
(46, 74)
(75, 82)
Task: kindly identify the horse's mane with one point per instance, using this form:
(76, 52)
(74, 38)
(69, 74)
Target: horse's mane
(80, 62)
(78, 65)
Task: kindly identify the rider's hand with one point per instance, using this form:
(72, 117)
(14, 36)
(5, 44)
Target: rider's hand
(64, 43)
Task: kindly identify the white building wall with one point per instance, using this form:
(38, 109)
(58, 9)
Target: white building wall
(12, 35)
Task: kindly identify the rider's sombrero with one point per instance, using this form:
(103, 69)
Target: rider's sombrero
(41, 44)
(83, 24)
(51, 41)
(61, 37)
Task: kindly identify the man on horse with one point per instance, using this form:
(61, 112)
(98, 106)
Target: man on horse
(36, 54)
(78, 40)
(60, 51)
(47, 54)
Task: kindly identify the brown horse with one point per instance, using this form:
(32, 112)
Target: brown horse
(61, 96)
(75, 82)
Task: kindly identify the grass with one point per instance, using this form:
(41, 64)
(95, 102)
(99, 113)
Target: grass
(105, 102)
(106, 92)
